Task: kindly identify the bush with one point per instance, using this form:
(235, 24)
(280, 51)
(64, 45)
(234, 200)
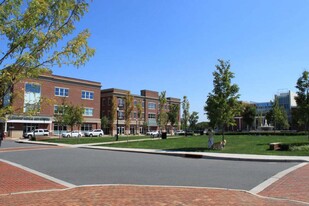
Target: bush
(300, 148)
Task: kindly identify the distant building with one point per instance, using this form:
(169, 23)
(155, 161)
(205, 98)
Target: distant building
(150, 103)
(44, 95)
(287, 101)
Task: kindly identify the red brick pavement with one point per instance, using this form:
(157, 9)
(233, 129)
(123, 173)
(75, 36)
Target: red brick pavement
(294, 186)
(140, 196)
(14, 179)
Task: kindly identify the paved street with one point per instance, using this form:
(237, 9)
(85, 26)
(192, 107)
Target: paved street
(129, 173)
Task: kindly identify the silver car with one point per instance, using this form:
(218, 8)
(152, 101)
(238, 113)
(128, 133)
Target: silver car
(74, 133)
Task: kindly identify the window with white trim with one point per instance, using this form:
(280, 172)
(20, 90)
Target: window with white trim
(61, 92)
(87, 95)
(88, 112)
(152, 105)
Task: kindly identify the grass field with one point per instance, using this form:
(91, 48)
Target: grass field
(241, 144)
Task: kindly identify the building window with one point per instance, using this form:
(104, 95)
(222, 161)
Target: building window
(86, 127)
(61, 92)
(135, 115)
(88, 112)
(151, 116)
(87, 95)
(103, 101)
(59, 129)
(58, 109)
(151, 105)
(32, 97)
(120, 102)
(143, 104)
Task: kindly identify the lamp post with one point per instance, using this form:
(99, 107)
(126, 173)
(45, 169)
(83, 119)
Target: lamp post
(117, 123)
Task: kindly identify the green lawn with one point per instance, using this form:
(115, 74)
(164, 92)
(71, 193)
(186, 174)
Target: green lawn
(241, 144)
(88, 140)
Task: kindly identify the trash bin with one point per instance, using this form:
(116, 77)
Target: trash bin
(163, 135)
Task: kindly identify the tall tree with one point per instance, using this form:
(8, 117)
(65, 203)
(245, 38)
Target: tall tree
(222, 104)
(113, 116)
(139, 108)
(30, 33)
(104, 122)
(302, 100)
(185, 112)
(278, 116)
(193, 119)
(162, 117)
(173, 114)
(248, 114)
(128, 108)
(73, 115)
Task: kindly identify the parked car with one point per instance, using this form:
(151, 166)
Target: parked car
(74, 133)
(36, 132)
(179, 132)
(95, 132)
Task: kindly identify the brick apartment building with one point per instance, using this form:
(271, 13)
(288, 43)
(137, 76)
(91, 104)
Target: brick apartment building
(48, 92)
(150, 102)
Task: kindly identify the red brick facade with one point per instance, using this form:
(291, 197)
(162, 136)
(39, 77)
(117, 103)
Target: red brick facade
(48, 84)
(150, 103)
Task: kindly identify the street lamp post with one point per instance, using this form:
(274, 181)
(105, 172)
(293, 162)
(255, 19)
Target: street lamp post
(117, 123)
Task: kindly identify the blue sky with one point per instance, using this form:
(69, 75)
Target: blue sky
(174, 45)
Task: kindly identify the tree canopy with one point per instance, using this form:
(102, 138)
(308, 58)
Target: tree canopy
(222, 104)
(37, 35)
(302, 100)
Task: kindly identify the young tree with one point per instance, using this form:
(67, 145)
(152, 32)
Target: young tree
(193, 119)
(279, 116)
(249, 114)
(302, 100)
(173, 114)
(139, 108)
(222, 104)
(30, 32)
(128, 108)
(162, 117)
(104, 122)
(113, 115)
(185, 113)
(73, 115)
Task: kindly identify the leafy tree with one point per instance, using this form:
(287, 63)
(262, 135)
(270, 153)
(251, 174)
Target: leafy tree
(193, 119)
(202, 125)
(278, 116)
(73, 115)
(185, 113)
(128, 108)
(139, 108)
(302, 100)
(222, 104)
(104, 122)
(249, 114)
(113, 115)
(173, 114)
(162, 117)
(30, 33)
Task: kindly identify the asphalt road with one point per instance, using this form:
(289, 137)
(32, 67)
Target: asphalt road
(87, 167)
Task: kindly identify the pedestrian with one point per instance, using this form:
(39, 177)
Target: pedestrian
(210, 138)
(1, 138)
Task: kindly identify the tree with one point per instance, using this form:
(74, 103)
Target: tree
(302, 100)
(30, 33)
(193, 119)
(73, 115)
(139, 108)
(249, 114)
(128, 107)
(104, 122)
(185, 112)
(113, 115)
(162, 117)
(222, 104)
(173, 114)
(278, 116)
(202, 125)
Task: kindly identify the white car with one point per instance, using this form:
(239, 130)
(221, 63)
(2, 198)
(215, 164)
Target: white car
(72, 134)
(95, 132)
